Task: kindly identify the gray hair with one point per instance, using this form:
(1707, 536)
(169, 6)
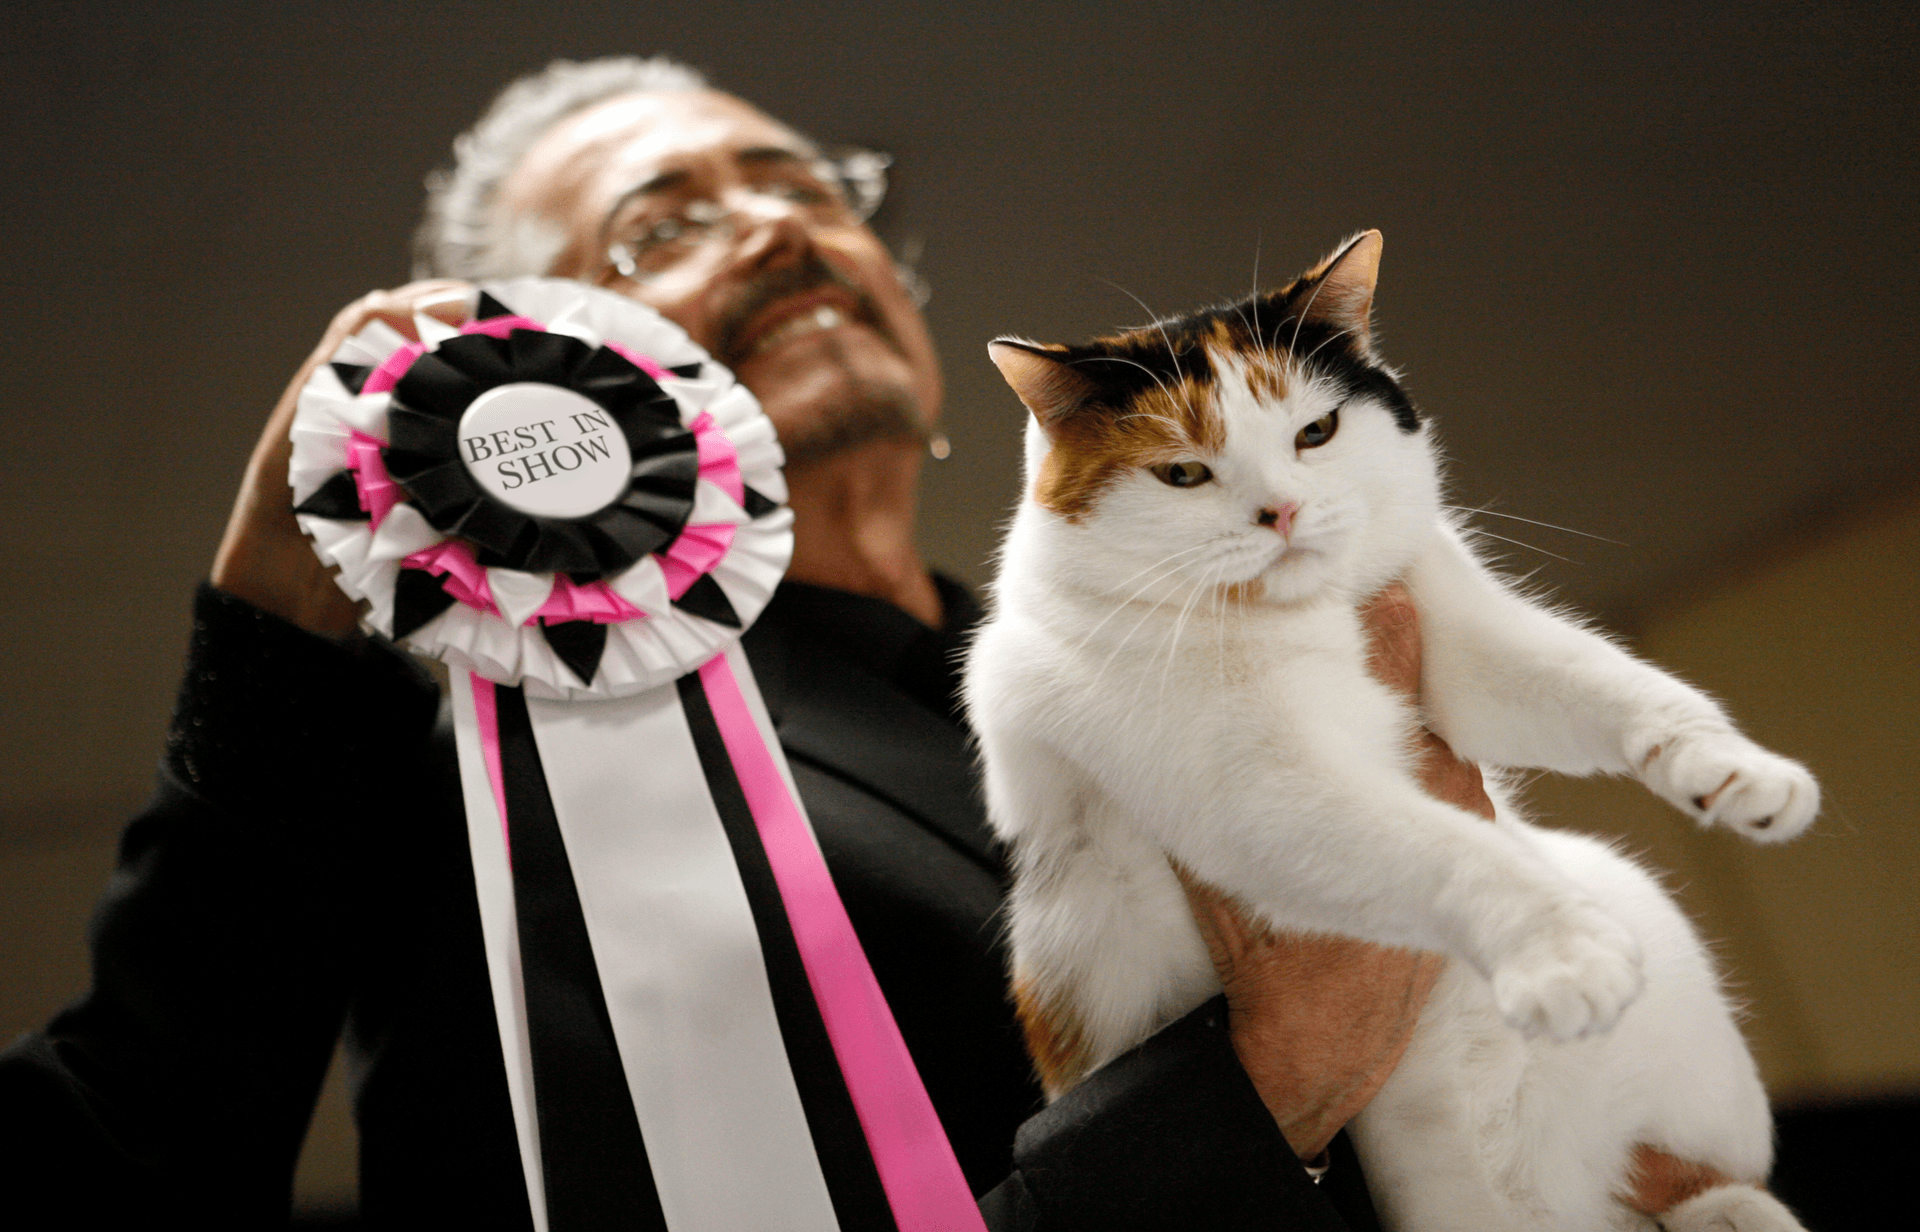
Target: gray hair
(460, 237)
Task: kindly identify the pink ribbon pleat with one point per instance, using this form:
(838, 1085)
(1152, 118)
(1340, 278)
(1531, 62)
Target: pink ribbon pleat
(918, 1171)
(392, 368)
(719, 460)
(377, 491)
(460, 574)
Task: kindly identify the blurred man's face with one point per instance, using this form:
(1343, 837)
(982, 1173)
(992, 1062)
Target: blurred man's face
(716, 208)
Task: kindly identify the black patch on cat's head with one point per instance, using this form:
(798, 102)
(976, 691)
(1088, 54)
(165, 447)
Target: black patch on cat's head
(1166, 352)
(1321, 322)
(1122, 367)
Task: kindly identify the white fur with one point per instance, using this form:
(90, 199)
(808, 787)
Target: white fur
(1130, 713)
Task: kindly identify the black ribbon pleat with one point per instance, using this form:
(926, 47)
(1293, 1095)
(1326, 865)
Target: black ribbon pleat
(705, 598)
(338, 498)
(418, 597)
(579, 643)
(591, 1153)
(859, 1202)
(353, 376)
(757, 505)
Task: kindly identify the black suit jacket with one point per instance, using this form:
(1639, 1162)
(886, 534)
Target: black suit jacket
(303, 869)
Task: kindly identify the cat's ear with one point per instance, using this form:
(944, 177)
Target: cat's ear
(1051, 386)
(1339, 291)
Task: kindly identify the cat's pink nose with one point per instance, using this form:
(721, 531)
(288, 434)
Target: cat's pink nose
(1280, 517)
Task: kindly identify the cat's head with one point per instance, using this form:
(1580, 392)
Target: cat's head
(1261, 446)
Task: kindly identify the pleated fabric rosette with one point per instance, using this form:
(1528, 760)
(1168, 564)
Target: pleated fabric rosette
(578, 510)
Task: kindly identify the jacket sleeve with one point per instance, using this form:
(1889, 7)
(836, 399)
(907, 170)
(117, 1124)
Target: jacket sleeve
(1169, 1136)
(186, 1075)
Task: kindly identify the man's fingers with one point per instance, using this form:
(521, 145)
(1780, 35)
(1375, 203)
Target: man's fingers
(1393, 629)
(263, 558)
(443, 299)
(1446, 777)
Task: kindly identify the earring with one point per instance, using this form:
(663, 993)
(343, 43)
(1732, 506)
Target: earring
(939, 446)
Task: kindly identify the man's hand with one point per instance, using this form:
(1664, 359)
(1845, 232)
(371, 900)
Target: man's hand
(1320, 1022)
(263, 557)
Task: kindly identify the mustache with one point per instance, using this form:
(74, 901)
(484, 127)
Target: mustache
(807, 274)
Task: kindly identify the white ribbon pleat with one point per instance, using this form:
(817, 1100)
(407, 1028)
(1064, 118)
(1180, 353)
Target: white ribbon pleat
(679, 961)
(493, 881)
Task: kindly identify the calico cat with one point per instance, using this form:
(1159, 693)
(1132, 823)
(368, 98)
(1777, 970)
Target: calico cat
(1174, 671)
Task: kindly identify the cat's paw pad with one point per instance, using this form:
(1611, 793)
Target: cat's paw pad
(1725, 779)
(1572, 979)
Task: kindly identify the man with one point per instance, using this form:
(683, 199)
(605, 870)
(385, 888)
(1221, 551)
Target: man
(304, 862)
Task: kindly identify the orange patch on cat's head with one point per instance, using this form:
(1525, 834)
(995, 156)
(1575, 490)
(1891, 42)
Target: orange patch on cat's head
(1095, 444)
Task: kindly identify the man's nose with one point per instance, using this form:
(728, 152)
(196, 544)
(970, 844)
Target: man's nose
(768, 230)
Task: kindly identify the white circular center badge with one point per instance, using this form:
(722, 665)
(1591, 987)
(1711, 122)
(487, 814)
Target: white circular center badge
(544, 451)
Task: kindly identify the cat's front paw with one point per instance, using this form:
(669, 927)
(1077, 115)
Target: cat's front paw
(1572, 978)
(1725, 779)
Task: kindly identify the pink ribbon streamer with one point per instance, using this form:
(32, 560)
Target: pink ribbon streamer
(486, 716)
(922, 1180)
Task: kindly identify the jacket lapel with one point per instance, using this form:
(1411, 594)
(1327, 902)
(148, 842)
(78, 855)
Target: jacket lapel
(845, 721)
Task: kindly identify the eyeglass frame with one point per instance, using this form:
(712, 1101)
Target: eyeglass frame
(856, 176)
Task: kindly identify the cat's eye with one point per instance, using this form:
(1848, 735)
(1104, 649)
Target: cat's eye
(1319, 432)
(1182, 474)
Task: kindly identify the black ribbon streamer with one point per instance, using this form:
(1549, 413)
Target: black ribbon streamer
(592, 1150)
(846, 1162)
(592, 1156)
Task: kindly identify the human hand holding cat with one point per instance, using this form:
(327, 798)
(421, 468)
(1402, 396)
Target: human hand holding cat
(1319, 1022)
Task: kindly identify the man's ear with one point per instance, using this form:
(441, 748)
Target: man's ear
(1339, 291)
(1046, 381)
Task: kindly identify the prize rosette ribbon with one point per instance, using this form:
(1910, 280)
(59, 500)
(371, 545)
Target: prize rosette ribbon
(578, 510)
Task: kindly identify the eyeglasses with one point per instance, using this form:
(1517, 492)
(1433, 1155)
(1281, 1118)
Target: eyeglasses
(842, 187)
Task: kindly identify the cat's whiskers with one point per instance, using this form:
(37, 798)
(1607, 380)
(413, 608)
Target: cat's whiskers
(1494, 513)
(1155, 417)
(1150, 583)
(1254, 294)
(1219, 611)
(1145, 616)
(1152, 317)
(1120, 359)
(1475, 530)
(1338, 334)
(1300, 317)
(1200, 588)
